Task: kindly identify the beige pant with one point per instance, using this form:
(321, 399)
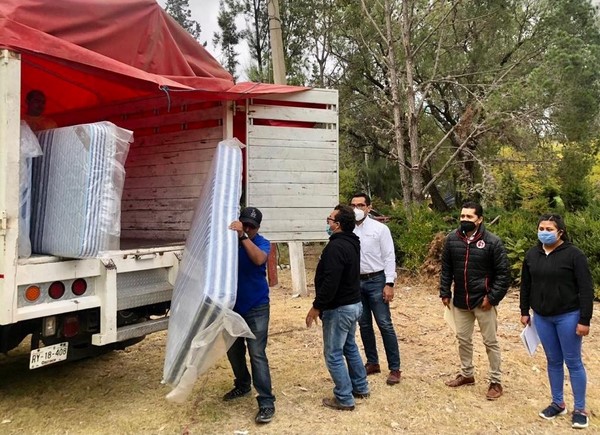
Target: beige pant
(488, 324)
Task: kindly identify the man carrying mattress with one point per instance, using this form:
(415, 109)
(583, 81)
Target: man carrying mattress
(252, 303)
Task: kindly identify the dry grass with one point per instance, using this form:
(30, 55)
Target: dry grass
(120, 392)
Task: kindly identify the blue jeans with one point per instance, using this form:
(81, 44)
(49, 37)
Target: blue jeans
(258, 322)
(339, 330)
(562, 345)
(374, 306)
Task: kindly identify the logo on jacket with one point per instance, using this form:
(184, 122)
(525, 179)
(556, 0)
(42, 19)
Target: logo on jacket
(480, 244)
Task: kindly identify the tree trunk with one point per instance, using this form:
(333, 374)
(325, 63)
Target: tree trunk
(397, 109)
(412, 115)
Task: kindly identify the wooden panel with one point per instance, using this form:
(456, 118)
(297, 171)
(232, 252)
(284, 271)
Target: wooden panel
(168, 180)
(201, 135)
(170, 168)
(294, 225)
(289, 189)
(306, 236)
(152, 227)
(327, 153)
(199, 146)
(268, 200)
(279, 165)
(292, 143)
(171, 118)
(285, 113)
(158, 193)
(169, 158)
(133, 219)
(324, 96)
(283, 213)
(259, 132)
(257, 176)
(154, 234)
(159, 204)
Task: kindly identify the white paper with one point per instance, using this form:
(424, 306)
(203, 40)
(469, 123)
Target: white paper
(449, 316)
(530, 338)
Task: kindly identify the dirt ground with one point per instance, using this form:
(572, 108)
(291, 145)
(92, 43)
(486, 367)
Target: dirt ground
(120, 392)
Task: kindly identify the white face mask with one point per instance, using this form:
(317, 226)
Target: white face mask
(359, 214)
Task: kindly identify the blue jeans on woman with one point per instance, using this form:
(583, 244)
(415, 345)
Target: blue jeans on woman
(374, 306)
(562, 345)
(258, 322)
(339, 330)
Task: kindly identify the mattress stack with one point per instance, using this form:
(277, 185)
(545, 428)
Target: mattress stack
(76, 190)
(202, 325)
(30, 148)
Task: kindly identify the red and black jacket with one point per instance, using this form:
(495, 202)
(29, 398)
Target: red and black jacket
(478, 267)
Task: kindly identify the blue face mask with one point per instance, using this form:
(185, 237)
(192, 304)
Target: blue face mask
(547, 237)
(329, 231)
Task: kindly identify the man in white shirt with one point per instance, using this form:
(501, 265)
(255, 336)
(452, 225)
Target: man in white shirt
(377, 275)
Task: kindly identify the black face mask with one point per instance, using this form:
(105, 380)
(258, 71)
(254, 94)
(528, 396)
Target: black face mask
(467, 226)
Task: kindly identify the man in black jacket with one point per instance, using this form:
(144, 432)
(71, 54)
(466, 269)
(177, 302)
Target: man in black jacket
(475, 260)
(338, 304)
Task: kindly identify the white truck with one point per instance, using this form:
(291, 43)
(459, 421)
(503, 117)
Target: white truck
(73, 308)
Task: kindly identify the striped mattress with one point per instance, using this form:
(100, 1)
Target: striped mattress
(76, 190)
(202, 325)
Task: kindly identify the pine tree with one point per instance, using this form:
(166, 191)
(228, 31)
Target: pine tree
(229, 37)
(180, 11)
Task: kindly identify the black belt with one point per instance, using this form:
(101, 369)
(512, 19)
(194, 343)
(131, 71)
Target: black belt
(371, 275)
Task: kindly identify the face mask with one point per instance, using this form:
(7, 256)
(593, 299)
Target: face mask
(467, 226)
(329, 231)
(547, 237)
(359, 214)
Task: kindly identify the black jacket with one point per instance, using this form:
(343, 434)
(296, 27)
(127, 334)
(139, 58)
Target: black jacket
(337, 278)
(478, 267)
(557, 283)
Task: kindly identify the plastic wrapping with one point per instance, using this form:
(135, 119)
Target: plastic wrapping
(202, 325)
(30, 148)
(76, 189)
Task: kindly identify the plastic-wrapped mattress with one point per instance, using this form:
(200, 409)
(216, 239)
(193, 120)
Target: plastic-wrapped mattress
(202, 325)
(76, 190)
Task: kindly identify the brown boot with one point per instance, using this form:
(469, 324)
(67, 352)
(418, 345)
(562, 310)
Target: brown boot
(494, 392)
(372, 368)
(332, 402)
(394, 377)
(460, 381)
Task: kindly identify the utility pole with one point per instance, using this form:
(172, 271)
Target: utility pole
(276, 42)
(296, 249)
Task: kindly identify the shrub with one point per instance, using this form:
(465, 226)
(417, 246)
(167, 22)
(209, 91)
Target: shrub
(412, 238)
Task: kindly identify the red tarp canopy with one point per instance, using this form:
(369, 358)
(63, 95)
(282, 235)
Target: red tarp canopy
(90, 53)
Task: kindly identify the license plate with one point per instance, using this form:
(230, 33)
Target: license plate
(48, 355)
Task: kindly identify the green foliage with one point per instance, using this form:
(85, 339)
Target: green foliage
(412, 238)
(517, 229)
(575, 166)
(348, 184)
(229, 36)
(515, 250)
(180, 11)
(583, 228)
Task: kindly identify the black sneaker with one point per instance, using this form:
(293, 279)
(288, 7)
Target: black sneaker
(579, 420)
(236, 393)
(265, 415)
(552, 411)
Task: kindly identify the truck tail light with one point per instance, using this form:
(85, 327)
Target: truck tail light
(56, 290)
(79, 287)
(70, 326)
(49, 326)
(32, 293)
